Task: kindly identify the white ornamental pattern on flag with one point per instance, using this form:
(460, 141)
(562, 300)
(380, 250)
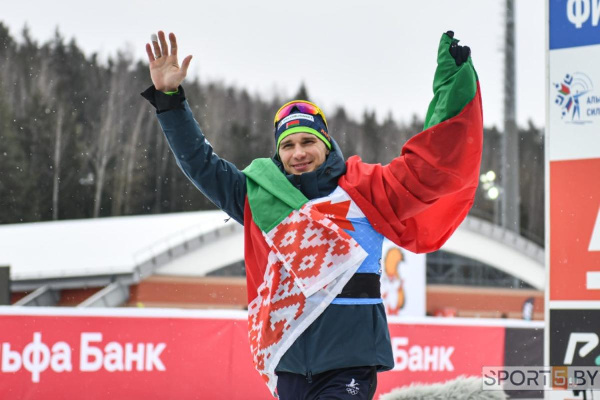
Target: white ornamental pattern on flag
(311, 260)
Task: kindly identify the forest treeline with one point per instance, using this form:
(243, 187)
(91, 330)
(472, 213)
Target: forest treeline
(78, 141)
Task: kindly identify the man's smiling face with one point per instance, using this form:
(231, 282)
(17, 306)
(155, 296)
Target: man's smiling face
(302, 152)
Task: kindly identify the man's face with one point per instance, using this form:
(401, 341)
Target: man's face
(302, 152)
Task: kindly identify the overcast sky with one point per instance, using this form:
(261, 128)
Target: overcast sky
(377, 55)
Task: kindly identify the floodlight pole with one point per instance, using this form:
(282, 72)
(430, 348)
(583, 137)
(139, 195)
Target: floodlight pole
(510, 202)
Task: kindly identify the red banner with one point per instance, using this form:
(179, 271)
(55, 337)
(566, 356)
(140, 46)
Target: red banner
(574, 212)
(425, 353)
(127, 354)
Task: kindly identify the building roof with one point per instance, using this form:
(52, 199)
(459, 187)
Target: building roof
(97, 252)
(101, 246)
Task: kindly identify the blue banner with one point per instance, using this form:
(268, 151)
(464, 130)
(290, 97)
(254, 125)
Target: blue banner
(574, 23)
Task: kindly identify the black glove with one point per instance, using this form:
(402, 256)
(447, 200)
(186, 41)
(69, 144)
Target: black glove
(460, 53)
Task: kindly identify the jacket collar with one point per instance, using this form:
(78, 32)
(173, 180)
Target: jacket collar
(323, 180)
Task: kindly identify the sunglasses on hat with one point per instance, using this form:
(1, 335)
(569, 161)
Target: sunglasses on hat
(303, 106)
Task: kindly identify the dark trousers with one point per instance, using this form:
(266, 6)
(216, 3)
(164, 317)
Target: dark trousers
(338, 384)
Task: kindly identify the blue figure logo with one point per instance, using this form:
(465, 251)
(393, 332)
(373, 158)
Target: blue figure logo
(569, 91)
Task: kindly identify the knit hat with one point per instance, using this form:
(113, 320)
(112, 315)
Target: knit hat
(297, 122)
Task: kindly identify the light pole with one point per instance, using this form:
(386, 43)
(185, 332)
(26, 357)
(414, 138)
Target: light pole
(509, 177)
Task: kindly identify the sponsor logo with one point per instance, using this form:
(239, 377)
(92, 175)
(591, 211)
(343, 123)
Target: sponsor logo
(352, 388)
(578, 105)
(589, 340)
(421, 358)
(37, 356)
(575, 338)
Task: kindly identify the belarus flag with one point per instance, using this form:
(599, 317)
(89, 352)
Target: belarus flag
(292, 123)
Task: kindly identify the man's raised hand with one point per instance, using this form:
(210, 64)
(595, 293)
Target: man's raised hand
(460, 53)
(165, 71)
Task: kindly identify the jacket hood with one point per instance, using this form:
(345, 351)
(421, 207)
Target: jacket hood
(323, 180)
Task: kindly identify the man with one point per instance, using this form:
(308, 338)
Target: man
(314, 223)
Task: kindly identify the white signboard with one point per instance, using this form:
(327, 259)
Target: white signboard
(402, 281)
(574, 109)
(573, 184)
